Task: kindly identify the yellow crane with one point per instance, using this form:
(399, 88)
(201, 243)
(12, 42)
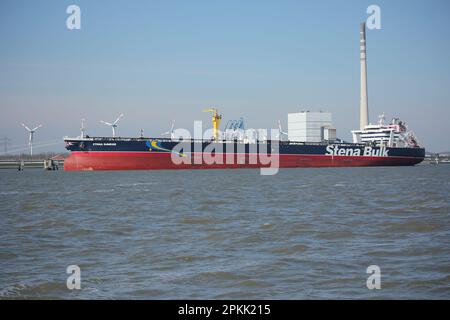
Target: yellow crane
(215, 120)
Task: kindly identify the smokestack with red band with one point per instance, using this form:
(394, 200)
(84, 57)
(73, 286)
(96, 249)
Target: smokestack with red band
(363, 104)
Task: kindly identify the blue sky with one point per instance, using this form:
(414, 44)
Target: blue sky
(161, 60)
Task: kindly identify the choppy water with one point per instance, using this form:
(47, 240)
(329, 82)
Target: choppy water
(302, 234)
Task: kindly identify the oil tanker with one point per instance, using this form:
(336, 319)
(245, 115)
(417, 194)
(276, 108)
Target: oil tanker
(391, 144)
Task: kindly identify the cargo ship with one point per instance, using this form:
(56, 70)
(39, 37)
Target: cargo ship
(311, 142)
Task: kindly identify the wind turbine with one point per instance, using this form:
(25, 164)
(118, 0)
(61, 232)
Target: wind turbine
(280, 131)
(113, 125)
(170, 132)
(31, 131)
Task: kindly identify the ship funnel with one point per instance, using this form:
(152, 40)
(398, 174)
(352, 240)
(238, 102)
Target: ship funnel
(363, 104)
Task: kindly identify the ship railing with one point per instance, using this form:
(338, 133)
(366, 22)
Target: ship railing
(191, 140)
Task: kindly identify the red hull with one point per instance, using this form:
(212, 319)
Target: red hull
(162, 161)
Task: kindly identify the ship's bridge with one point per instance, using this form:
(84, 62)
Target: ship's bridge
(395, 134)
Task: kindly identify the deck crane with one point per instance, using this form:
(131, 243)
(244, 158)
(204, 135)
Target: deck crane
(216, 117)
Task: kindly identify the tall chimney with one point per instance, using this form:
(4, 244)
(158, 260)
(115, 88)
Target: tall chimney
(363, 103)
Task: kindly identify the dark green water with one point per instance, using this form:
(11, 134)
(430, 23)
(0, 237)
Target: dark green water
(302, 234)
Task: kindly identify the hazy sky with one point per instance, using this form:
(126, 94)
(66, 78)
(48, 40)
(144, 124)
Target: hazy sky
(161, 60)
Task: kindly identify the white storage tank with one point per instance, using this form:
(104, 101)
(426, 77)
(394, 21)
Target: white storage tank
(308, 126)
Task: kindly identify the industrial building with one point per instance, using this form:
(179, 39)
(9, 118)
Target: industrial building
(308, 126)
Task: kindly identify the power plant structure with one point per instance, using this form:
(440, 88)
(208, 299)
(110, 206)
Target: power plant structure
(364, 100)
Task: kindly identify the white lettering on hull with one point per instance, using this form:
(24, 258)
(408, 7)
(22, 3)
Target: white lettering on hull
(101, 144)
(335, 150)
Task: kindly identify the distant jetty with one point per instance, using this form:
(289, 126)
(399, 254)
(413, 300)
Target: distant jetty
(43, 161)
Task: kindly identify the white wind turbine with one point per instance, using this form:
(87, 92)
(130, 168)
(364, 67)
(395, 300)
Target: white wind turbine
(280, 131)
(31, 131)
(113, 125)
(170, 132)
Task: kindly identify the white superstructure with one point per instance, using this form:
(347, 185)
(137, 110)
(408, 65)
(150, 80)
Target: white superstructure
(394, 134)
(308, 126)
